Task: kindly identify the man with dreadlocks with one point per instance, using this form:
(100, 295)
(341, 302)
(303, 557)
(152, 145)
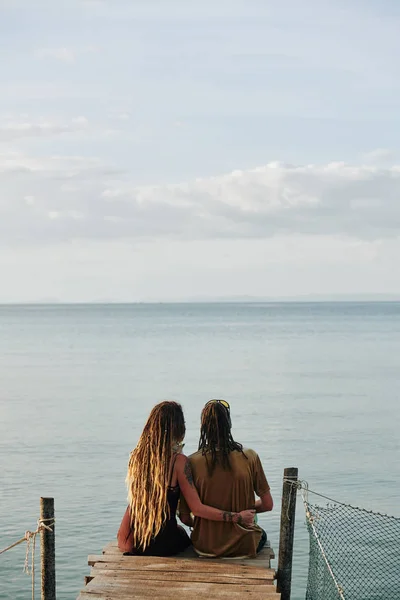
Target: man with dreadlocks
(226, 476)
(158, 473)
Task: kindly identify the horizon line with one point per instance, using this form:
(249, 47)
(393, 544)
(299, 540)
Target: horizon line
(367, 298)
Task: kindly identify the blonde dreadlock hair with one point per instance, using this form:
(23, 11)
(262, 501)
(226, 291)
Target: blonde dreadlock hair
(149, 469)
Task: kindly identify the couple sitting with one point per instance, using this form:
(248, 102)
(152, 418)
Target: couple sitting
(217, 484)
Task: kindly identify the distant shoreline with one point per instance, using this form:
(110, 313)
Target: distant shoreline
(205, 301)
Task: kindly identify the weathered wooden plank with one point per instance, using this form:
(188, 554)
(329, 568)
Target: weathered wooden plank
(267, 553)
(155, 563)
(166, 564)
(117, 577)
(262, 560)
(121, 583)
(118, 588)
(232, 570)
(183, 576)
(173, 594)
(166, 595)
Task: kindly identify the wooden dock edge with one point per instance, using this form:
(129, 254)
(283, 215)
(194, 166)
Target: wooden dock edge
(114, 576)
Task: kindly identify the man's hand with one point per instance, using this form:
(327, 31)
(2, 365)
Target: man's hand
(246, 517)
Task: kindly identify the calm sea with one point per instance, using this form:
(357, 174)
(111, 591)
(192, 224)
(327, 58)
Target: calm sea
(315, 386)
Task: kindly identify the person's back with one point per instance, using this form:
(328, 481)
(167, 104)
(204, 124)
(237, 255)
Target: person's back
(229, 490)
(226, 476)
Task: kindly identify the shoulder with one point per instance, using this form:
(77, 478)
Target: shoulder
(250, 454)
(184, 462)
(192, 457)
(196, 455)
(181, 460)
(197, 458)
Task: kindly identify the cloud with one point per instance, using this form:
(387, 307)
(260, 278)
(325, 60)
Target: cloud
(67, 55)
(63, 54)
(12, 128)
(122, 116)
(65, 198)
(379, 156)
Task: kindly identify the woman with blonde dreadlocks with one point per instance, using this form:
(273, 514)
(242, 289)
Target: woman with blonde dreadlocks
(158, 473)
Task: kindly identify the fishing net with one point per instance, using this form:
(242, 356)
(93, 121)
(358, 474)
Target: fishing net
(354, 553)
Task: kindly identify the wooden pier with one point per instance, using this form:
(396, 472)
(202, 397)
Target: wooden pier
(114, 576)
(117, 577)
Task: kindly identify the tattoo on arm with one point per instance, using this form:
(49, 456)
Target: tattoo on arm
(227, 516)
(188, 472)
(232, 517)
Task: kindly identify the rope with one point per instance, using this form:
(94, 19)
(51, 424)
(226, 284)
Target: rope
(30, 539)
(294, 483)
(303, 485)
(298, 484)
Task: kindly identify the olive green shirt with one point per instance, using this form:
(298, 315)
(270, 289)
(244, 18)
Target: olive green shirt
(229, 490)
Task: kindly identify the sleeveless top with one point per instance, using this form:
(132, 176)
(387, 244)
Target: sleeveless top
(170, 540)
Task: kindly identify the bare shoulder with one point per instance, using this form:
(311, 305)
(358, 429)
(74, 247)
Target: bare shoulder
(181, 461)
(184, 468)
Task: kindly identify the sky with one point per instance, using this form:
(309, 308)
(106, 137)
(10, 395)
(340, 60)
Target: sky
(169, 149)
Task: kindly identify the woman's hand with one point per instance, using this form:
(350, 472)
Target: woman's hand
(246, 517)
(186, 519)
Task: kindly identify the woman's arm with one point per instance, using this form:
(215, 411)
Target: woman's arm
(125, 535)
(188, 489)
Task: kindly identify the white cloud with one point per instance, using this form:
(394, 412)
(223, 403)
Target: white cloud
(12, 128)
(361, 202)
(63, 54)
(379, 156)
(104, 270)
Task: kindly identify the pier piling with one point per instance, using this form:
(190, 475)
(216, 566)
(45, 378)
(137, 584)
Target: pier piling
(47, 550)
(288, 514)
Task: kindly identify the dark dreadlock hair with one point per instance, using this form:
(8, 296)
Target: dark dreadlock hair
(216, 437)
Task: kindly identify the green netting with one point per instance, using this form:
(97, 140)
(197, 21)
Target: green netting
(354, 553)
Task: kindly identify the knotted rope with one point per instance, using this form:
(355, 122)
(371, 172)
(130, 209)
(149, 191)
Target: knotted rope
(30, 539)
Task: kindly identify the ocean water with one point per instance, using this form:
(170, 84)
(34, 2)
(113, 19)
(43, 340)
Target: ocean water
(315, 386)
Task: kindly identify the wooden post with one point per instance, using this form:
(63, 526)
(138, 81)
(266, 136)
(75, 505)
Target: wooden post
(47, 550)
(288, 513)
